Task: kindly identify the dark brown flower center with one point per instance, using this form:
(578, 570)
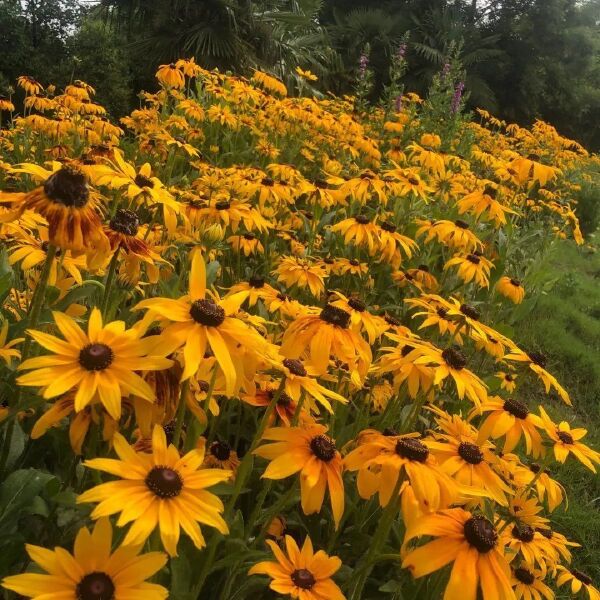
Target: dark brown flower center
(582, 577)
(412, 449)
(335, 316)
(524, 576)
(256, 282)
(361, 219)
(538, 358)
(223, 205)
(203, 385)
(565, 437)
(490, 191)
(524, 533)
(413, 181)
(295, 367)
(96, 357)
(220, 450)
(470, 311)
(125, 222)
(461, 224)
(508, 377)
(323, 447)
(249, 236)
(143, 181)
(267, 181)
(547, 533)
(207, 313)
(516, 408)
(95, 586)
(68, 186)
(480, 534)
(392, 321)
(389, 432)
(354, 262)
(406, 350)
(357, 304)
(303, 579)
(516, 282)
(442, 312)
(473, 258)
(164, 482)
(389, 227)
(454, 358)
(470, 453)
(284, 399)
(423, 268)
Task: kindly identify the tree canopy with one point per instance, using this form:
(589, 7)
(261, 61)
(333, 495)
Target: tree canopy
(523, 59)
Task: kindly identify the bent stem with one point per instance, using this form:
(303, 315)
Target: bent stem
(180, 412)
(242, 475)
(381, 534)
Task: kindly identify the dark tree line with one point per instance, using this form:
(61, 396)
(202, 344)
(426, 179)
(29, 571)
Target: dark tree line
(524, 59)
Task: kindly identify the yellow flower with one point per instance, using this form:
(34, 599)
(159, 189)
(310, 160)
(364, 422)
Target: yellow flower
(92, 571)
(511, 289)
(301, 573)
(311, 452)
(471, 543)
(199, 322)
(161, 489)
(306, 74)
(100, 365)
(566, 441)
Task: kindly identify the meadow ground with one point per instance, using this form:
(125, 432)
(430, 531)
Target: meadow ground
(567, 327)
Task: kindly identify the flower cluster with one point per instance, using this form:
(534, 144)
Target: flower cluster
(262, 322)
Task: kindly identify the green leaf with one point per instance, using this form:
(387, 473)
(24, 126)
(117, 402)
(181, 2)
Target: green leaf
(18, 491)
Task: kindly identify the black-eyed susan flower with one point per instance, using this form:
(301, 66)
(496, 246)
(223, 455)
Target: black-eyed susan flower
(512, 420)
(527, 544)
(537, 363)
(198, 322)
(384, 458)
(360, 318)
(507, 381)
(468, 462)
(326, 333)
(471, 542)
(511, 288)
(472, 267)
(302, 273)
(360, 230)
(171, 76)
(566, 441)
(311, 452)
(301, 572)
(578, 580)
(92, 572)
(528, 583)
(66, 202)
(451, 362)
(161, 489)
(220, 455)
(100, 365)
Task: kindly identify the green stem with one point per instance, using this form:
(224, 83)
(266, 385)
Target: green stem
(273, 512)
(266, 488)
(242, 475)
(37, 302)
(112, 270)
(180, 413)
(215, 420)
(385, 523)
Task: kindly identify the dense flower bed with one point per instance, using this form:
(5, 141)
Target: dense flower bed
(253, 334)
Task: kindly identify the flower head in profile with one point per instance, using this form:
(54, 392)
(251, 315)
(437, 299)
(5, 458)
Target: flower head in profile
(161, 489)
(578, 581)
(301, 573)
(511, 288)
(92, 572)
(100, 365)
